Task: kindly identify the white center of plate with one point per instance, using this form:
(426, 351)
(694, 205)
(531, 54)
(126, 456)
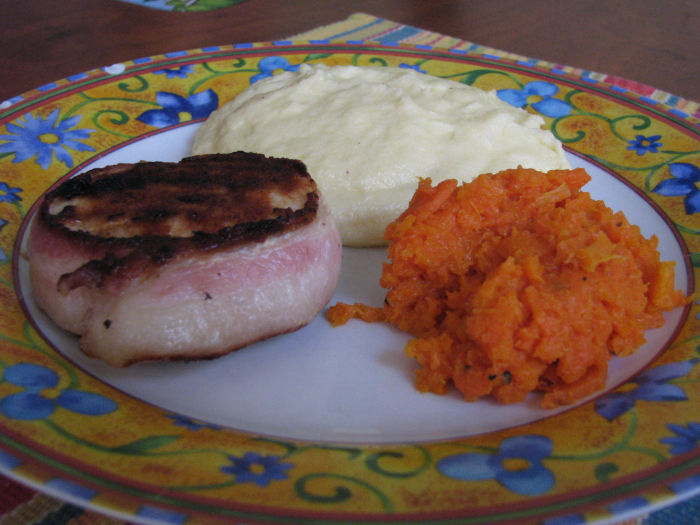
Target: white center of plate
(351, 384)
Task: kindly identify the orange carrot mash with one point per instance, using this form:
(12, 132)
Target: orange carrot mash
(518, 282)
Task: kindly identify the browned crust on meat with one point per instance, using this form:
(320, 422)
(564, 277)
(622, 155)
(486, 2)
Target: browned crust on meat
(145, 214)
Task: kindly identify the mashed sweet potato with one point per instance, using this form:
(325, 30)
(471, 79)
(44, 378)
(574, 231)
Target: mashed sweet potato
(518, 282)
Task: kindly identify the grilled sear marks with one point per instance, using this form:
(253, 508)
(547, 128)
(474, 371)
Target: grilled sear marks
(139, 216)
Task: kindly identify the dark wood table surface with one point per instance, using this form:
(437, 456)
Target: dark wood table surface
(654, 42)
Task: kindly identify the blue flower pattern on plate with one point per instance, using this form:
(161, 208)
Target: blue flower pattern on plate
(687, 438)
(652, 385)
(9, 194)
(180, 72)
(3, 256)
(533, 480)
(198, 106)
(45, 138)
(33, 404)
(254, 468)
(190, 424)
(269, 65)
(683, 183)
(414, 67)
(644, 144)
(543, 91)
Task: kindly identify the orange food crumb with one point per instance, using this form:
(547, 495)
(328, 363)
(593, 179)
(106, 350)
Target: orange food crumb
(341, 313)
(518, 282)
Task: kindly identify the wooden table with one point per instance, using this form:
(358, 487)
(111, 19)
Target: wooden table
(654, 42)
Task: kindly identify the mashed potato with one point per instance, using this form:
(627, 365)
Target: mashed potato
(368, 134)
